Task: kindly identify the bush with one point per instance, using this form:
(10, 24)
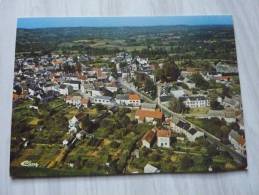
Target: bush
(155, 156)
(100, 107)
(186, 162)
(115, 144)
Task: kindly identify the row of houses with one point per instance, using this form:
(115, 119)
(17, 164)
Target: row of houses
(130, 100)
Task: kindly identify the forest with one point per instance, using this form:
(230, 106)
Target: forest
(179, 42)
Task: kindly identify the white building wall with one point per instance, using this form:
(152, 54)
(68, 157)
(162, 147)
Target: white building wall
(163, 142)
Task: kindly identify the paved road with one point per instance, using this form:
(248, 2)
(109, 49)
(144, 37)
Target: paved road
(210, 137)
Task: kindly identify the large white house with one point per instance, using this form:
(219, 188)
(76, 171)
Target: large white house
(195, 101)
(128, 100)
(65, 90)
(163, 138)
(78, 101)
(75, 84)
(75, 122)
(105, 100)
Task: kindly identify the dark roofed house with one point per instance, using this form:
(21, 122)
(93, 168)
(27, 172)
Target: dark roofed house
(192, 131)
(183, 125)
(185, 128)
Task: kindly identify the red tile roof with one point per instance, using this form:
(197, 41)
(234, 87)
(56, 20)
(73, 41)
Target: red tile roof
(241, 140)
(163, 133)
(149, 113)
(134, 97)
(149, 136)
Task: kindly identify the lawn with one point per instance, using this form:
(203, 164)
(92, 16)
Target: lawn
(215, 126)
(197, 111)
(171, 160)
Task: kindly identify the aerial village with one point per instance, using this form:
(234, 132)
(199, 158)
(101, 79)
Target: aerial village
(167, 116)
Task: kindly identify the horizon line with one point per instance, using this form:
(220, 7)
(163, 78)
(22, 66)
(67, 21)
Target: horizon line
(124, 26)
(131, 21)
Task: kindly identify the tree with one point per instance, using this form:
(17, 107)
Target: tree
(207, 160)
(78, 162)
(214, 105)
(200, 81)
(169, 72)
(226, 92)
(212, 150)
(78, 67)
(18, 89)
(155, 156)
(186, 162)
(85, 121)
(150, 87)
(178, 106)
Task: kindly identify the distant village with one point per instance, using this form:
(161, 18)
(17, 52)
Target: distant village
(83, 85)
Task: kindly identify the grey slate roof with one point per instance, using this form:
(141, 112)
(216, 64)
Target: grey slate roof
(148, 105)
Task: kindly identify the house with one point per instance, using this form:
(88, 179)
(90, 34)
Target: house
(151, 169)
(222, 79)
(128, 100)
(122, 99)
(80, 135)
(231, 102)
(73, 83)
(192, 134)
(185, 128)
(105, 100)
(48, 87)
(75, 121)
(112, 89)
(73, 100)
(65, 142)
(188, 82)
(91, 78)
(34, 107)
(100, 74)
(148, 116)
(225, 69)
(17, 97)
(78, 101)
(190, 71)
(238, 141)
(134, 100)
(47, 96)
(228, 114)
(177, 93)
(149, 138)
(65, 89)
(85, 102)
(195, 101)
(163, 138)
(135, 153)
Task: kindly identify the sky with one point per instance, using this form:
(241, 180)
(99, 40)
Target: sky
(53, 22)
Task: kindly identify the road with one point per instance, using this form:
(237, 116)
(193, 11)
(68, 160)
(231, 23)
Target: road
(239, 157)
